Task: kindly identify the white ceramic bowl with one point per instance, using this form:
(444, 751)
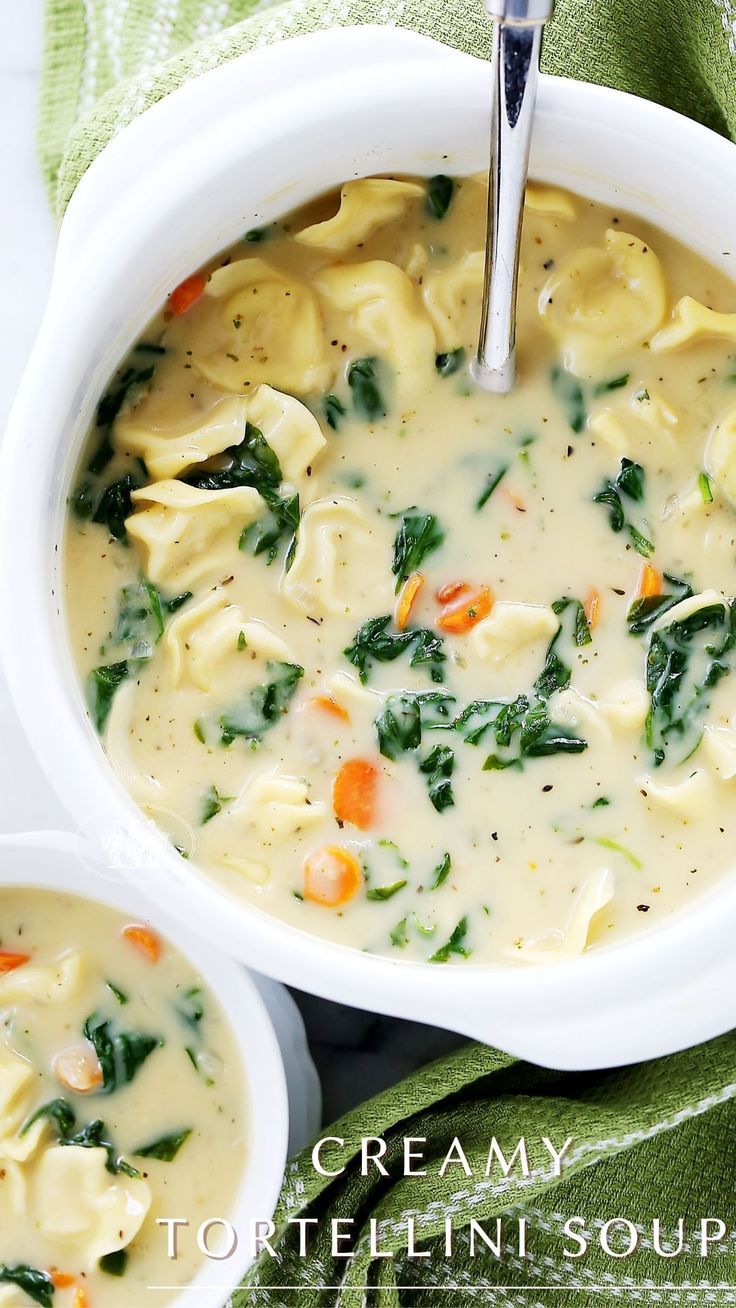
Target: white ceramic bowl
(233, 149)
(281, 1100)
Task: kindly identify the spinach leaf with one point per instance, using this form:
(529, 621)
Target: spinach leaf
(455, 945)
(92, 1136)
(494, 479)
(263, 706)
(615, 384)
(56, 1110)
(120, 1053)
(119, 994)
(399, 935)
(450, 362)
(581, 629)
(115, 505)
(278, 526)
(334, 411)
(191, 1008)
(419, 535)
(102, 683)
(685, 661)
(37, 1285)
(438, 767)
(399, 726)
(363, 382)
(373, 642)
(212, 804)
(705, 487)
(441, 872)
(385, 892)
(628, 482)
(539, 736)
(166, 1147)
(644, 612)
(112, 402)
(439, 194)
(114, 1264)
(569, 393)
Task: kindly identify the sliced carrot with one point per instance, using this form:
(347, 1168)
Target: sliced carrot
(515, 499)
(9, 961)
(354, 792)
(592, 607)
(450, 591)
(471, 606)
(329, 705)
(408, 596)
(650, 582)
(187, 293)
(62, 1280)
(80, 1299)
(144, 940)
(332, 876)
(78, 1068)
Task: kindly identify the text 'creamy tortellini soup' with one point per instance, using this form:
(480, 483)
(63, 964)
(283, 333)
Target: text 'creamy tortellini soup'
(121, 1102)
(433, 673)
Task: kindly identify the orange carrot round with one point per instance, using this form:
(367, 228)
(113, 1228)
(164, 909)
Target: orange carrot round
(78, 1068)
(144, 940)
(332, 876)
(408, 596)
(329, 705)
(9, 961)
(187, 293)
(649, 583)
(354, 792)
(471, 606)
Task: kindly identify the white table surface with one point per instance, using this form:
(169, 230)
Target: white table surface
(357, 1053)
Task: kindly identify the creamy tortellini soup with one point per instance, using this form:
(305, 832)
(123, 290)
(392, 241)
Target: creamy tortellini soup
(432, 673)
(121, 1101)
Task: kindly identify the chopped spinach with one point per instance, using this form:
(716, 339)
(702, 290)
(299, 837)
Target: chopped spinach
(441, 872)
(493, 480)
(570, 396)
(263, 706)
(190, 1007)
(119, 994)
(644, 612)
(615, 384)
(455, 945)
(278, 526)
(115, 1263)
(212, 804)
(92, 1136)
(685, 661)
(437, 768)
(439, 195)
(334, 411)
(419, 535)
(399, 935)
(368, 401)
(399, 726)
(166, 1147)
(449, 362)
(37, 1285)
(581, 628)
(629, 482)
(113, 400)
(385, 892)
(102, 683)
(56, 1110)
(114, 505)
(121, 1053)
(705, 487)
(373, 642)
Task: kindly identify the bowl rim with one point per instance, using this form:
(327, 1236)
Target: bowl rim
(638, 998)
(264, 1097)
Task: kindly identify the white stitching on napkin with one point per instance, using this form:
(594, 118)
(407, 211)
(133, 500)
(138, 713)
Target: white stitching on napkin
(728, 18)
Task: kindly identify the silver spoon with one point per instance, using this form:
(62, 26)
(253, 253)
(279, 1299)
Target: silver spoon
(517, 37)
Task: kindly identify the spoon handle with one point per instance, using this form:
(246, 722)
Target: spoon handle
(517, 36)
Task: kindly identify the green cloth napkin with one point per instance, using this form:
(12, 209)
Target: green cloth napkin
(652, 1142)
(106, 61)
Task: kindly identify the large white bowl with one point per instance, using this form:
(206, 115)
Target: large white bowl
(232, 149)
(281, 1095)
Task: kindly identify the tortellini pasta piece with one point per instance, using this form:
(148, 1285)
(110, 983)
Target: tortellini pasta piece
(178, 528)
(201, 637)
(720, 456)
(596, 893)
(78, 1203)
(275, 807)
(510, 628)
(44, 983)
(273, 331)
(549, 200)
(686, 607)
(169, 451)
(249, 868)
(16, 1074)
(291, 430)
(627, 428)
(384, 310)
(626, 706)
(571, 709)
(604, 301)
(451, 295)
(693, 321)
(719, 747)
(689, 798)
(142, 785)
(340, 562)
(365, 205)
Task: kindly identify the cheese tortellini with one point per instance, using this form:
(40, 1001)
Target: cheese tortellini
(338, 560)
(274, 807)
(81, 1206)
(178, 528)
(604, 301)
(693, 321)
(452, 298)
(365, 205)
(385, 313)
(204, 636)
(720, 456)
(169, 451)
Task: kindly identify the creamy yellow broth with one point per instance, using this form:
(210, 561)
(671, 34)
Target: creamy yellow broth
(530, 828)
(172, 1087)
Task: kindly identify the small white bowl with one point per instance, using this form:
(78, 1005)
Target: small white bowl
(232, 149)
(281, 1099)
